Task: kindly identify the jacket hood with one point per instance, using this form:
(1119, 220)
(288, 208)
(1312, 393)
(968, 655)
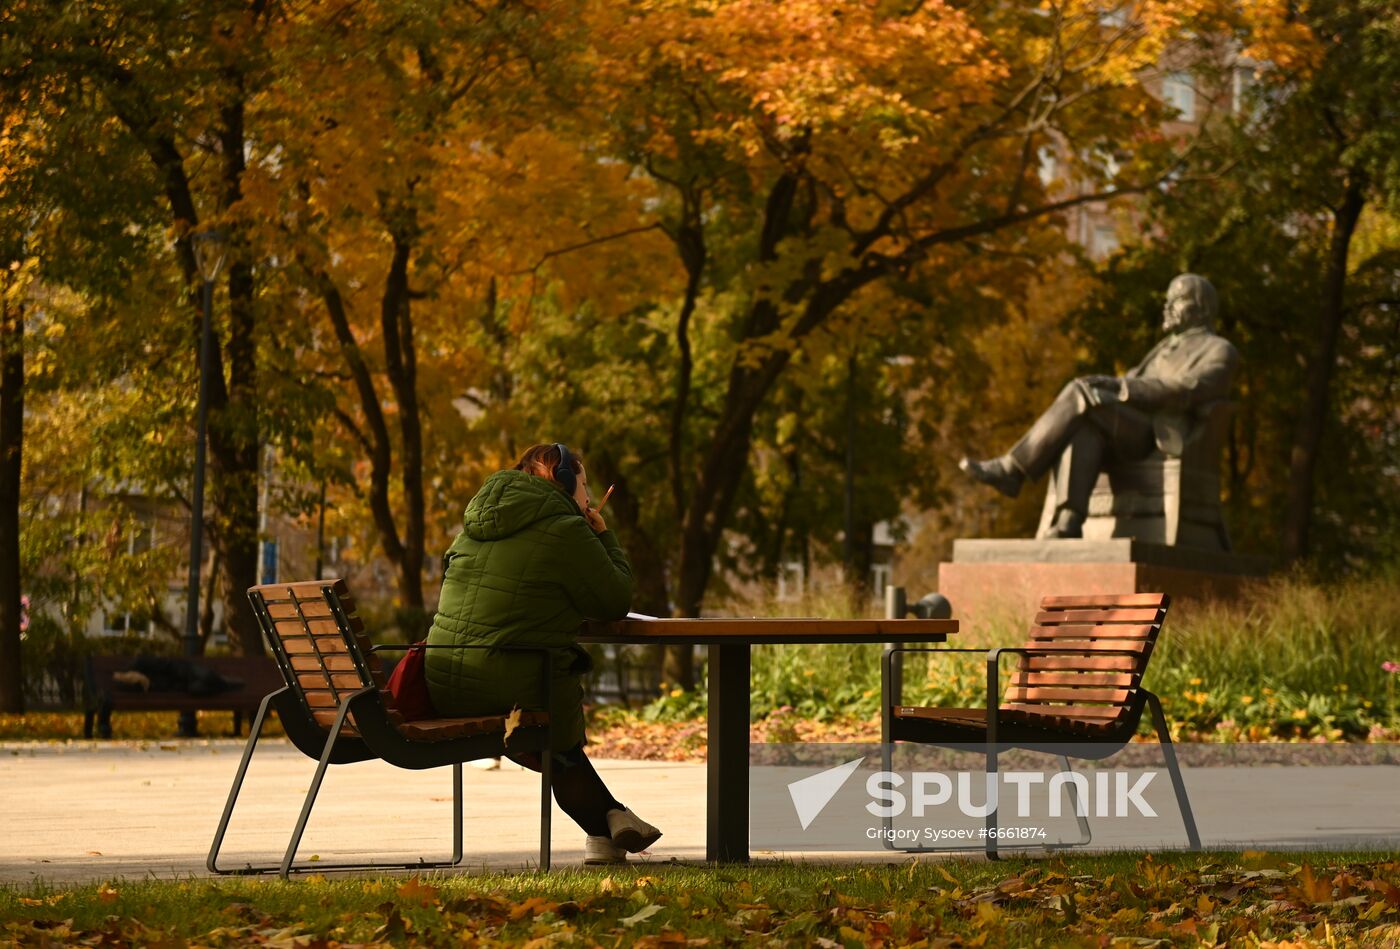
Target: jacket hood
(511, 501)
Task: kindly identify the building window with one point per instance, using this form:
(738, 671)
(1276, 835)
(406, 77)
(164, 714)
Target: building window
(1180, 94)
(791, 581)
(879, 579)
(115, 624)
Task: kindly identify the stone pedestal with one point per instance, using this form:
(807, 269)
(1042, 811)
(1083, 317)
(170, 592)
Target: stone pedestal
(1000, 582)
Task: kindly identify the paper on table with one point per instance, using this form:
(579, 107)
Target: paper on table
(639, 616)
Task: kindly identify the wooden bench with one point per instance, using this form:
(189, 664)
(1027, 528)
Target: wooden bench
(1076, 692)
(102, 696)
(335, 707)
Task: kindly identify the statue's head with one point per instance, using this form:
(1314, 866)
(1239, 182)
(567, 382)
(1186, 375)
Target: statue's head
(1191, 302)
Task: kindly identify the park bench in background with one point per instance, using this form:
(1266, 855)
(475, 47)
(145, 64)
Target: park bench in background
(1077, 688)
(256, 675)
(335, 708)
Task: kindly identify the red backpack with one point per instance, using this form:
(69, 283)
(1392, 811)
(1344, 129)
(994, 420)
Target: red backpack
(408, 684)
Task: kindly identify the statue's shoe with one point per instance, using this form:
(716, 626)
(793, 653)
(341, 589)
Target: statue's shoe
(1069, 525)
(1000, 473)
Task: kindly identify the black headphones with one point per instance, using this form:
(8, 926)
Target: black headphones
(564, 474)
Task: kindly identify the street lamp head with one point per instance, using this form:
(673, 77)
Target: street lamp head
(210, 250)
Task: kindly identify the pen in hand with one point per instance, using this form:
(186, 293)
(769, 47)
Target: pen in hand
(606, 494)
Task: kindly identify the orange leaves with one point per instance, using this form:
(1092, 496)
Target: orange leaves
(774, 71)
(1279, 36)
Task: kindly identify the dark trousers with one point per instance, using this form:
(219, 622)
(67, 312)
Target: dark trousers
(1082, 435)
(577, 788)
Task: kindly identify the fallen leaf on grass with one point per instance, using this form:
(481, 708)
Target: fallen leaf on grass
(641, 915)
(531, 907)
(416, 891)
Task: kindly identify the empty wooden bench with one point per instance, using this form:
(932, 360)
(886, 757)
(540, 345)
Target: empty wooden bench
(1076, 692)
(335, 708)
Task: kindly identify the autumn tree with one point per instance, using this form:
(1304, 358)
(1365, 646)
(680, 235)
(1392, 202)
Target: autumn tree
(385, 209)
(173, 87)
(809, 151)
(1300, 238)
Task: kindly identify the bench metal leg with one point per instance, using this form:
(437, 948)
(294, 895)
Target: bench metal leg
(315, 789)
(546, 803)
(992, 790)
(212, 862)
(457, 814)
(994, 846)
(1081, 813)
(891, 693)
(1164, 737)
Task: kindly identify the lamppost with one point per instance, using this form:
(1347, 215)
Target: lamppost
(210, 249)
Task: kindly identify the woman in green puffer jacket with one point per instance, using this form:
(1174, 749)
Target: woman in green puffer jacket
(533, 561)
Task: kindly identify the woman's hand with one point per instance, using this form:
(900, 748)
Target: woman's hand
(595, 520)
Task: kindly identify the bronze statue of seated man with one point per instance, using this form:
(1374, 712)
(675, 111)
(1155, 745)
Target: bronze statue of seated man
(1099, 420)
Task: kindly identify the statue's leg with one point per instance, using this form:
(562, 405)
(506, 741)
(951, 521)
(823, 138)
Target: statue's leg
(1080, 463)
(1127, 431)
(1046, 440)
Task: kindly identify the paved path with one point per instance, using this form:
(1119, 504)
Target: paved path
(91, 811)
(83, 811)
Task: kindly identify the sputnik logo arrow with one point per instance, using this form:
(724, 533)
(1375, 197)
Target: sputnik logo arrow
(811, 795)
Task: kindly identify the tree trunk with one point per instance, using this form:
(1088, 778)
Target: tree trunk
(401, 364)
(11, 456)
(1307, 440)
(234, 437)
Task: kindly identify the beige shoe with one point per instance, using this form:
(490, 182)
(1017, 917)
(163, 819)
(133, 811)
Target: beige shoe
(630, 832)
(601, 850)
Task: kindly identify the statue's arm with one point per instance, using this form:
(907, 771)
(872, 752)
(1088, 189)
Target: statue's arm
(1206, 379)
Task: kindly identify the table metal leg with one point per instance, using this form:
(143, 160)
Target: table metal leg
(727, 771)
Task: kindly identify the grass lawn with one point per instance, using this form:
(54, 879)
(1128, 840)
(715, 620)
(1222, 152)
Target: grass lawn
(1249, 899)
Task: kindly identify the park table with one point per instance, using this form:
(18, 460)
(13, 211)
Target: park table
(729, 641)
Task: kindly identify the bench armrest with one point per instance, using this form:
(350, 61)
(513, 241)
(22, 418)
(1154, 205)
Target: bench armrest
(890, 700)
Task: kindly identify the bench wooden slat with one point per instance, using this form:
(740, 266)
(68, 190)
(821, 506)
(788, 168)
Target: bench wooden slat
(1116, 696)
(307, 662)
(311, 609)
(309, 646)
(1105, 712)
(1076, 679)
(325, 717)
(341, 680)
(1072, 663)
(442, 729)
(302, 589)
(1104, 601)
(1087, 631)
(1071, 646)
(317, 627)
(1051, 617)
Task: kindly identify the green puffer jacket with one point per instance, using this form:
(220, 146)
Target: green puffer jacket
(526, 570)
